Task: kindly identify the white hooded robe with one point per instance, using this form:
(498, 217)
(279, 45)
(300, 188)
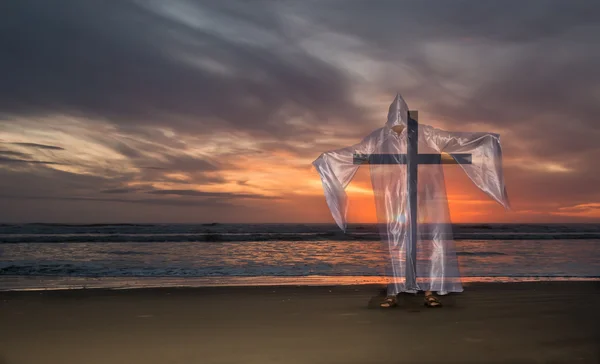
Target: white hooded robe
(436, 266)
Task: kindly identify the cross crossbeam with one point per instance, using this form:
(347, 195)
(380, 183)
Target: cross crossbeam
(461, 158)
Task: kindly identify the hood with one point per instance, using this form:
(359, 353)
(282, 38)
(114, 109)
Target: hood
(398, 113)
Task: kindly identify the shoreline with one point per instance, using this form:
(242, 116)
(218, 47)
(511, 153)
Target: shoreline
(49, 283)
(478, 286)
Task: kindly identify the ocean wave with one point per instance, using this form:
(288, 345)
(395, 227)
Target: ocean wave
(126, 252)
(98, 270)
(288, 237)
(75, 269)
(479, 254)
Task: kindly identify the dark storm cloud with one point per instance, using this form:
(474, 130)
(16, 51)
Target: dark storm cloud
(123, 61)
(510, 21)
(553, 69)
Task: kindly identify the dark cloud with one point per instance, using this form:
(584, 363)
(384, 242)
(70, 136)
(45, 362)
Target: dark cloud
(153, 168)
(5, 160)
(148, 201)
(154, 152)
(36, 145)
(123, 190)
(529, 59)
(126, 63)
(11, 153)
(189, 163)
(223, 195)
(39, 146)
(179, 176)
(507, 21)
(54, 192)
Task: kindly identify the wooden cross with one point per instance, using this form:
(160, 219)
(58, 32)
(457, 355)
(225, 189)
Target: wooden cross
(412, 159)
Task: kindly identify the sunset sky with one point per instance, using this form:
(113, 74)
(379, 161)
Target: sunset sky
(191, 111)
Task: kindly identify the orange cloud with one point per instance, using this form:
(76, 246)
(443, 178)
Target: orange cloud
(582, 210)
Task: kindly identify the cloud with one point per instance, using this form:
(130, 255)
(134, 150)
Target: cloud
(145, 63)
(11, 153)
(123, 190)
(189, 163)
(181, 97)
(35, 145)
(500, 62)
(147, 201)
(586, 210)
(224, 195)
(4, 160)
(582, 207)
(44, 180)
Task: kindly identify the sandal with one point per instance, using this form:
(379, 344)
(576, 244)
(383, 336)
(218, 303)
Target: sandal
(432, 301)
(389, 302)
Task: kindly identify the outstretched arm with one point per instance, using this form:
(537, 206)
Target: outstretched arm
(337, 169)
(485, 169)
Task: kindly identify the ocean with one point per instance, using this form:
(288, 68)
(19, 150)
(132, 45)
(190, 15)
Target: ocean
(121, 256)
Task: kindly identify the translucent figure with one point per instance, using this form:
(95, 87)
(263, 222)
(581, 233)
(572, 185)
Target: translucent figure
(406, 170)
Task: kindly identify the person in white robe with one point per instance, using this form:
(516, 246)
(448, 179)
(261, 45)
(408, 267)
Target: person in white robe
(422, 254)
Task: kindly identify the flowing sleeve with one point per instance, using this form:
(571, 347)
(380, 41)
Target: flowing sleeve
(336, 169)
(485, 169)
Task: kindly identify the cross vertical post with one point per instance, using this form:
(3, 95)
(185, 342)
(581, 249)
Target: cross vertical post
(412, 162)
(412, 159)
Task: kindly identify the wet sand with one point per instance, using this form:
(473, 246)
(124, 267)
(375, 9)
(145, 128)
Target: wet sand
(542, 322)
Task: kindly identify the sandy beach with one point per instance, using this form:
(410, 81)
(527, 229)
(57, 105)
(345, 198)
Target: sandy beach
(541, 322)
